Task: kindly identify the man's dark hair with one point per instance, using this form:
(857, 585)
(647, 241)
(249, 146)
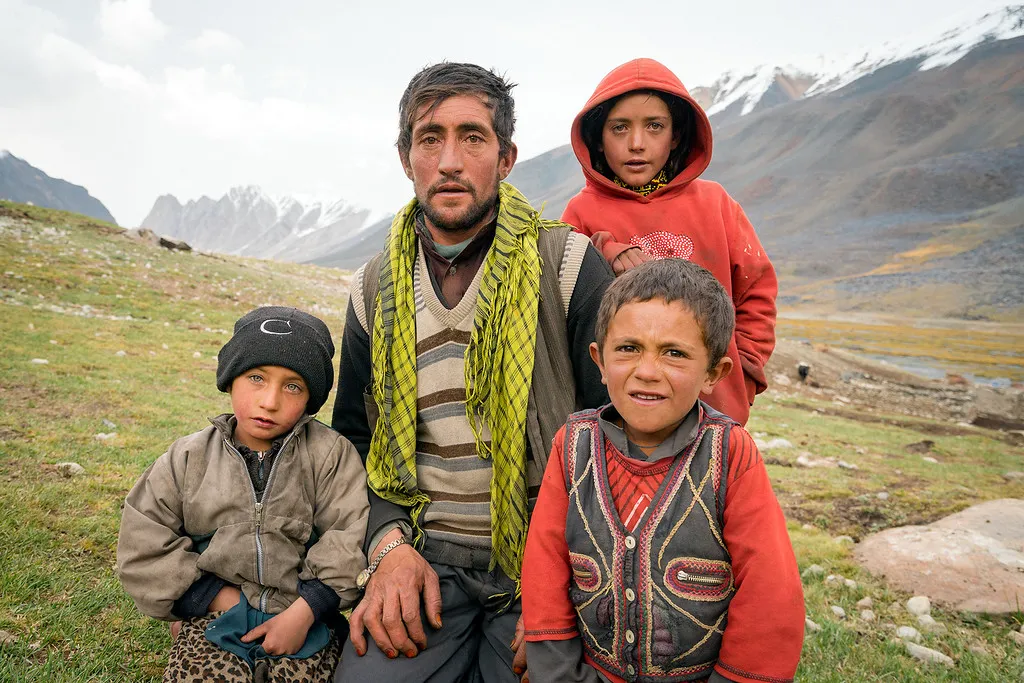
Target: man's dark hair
(683, 125)
(673, 280)
(434, 84)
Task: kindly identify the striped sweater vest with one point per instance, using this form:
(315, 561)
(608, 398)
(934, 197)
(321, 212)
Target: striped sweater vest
(448, 467)
(651, 604)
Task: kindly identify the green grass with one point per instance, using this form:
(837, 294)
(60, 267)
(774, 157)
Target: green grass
(58, 594)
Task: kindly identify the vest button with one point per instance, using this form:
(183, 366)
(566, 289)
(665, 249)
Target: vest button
(630, 595)
(630, 637)
(630, 542)
(630, 670)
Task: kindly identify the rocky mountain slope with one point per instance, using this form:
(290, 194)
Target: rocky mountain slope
(22, 182)
(896, 186)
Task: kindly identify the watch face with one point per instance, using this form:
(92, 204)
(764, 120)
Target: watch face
(362, 579)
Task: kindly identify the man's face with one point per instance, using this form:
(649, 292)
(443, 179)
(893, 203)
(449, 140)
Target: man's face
(456, 166)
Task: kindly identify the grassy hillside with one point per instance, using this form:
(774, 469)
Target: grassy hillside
(130, 333)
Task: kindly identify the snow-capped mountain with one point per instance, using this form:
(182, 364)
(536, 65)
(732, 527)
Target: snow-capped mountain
(741, 93)
(248, 221)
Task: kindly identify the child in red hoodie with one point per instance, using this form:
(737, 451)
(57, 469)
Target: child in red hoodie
(643, 143)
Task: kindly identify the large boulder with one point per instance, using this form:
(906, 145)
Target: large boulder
(1001, 408)
(972, 561)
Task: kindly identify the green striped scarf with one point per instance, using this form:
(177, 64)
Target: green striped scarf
(498, 361)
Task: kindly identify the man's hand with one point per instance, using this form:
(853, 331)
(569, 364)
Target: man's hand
(631, 258)
(390, 610)
(226, 598)
(519, 648)
(285, 633)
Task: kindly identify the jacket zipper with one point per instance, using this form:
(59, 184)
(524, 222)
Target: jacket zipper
(258, 510)
(683, 575)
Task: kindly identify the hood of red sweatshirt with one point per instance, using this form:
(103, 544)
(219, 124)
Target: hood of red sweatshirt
(644, 74)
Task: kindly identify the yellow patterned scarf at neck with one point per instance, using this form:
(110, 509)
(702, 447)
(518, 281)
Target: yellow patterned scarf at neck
(499, 366)
(658, 181)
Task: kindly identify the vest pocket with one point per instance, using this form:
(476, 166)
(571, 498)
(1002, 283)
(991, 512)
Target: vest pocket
(694, 578)
(586, 574)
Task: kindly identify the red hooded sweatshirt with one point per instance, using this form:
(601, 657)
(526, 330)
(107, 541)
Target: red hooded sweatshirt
(687, 218)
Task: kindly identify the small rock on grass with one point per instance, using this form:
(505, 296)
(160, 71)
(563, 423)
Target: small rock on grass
(865, 603)
(813, 570)
(930, 459)
(1017, 637)
(7, 638)
(919, 604)
(928, 655)
(908, 633)
(108, 424)
(105, 436)
(1013, 476)
(867, 615)
(844, 540)
(882, 495)
(121, 354)
(70, 469)
(978, 650)
(39, 361)
(763, 445)
(838, 611)
(850, 583)
(928, 623)
(810, 626)
(847, 465)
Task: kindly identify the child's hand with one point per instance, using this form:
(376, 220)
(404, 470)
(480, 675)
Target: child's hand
(226, 598)
(285, 633)
(631, 258)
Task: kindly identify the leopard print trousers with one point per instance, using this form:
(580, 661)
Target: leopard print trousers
(194, 659)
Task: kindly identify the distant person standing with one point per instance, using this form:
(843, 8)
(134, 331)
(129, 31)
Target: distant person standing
(643, 142)
(466, 345)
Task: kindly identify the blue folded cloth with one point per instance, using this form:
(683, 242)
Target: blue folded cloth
(226, 632)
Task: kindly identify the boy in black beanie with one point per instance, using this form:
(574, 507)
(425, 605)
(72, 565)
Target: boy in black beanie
(251, 530)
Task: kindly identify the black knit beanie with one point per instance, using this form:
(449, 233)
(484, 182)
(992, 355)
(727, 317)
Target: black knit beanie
(288, 337)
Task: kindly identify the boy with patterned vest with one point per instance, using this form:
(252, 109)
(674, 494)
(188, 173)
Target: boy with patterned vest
(657, 550)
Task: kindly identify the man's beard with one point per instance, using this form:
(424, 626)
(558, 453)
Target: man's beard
(476, 212)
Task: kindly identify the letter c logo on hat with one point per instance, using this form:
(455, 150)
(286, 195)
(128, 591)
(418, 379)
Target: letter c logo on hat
(266, 330)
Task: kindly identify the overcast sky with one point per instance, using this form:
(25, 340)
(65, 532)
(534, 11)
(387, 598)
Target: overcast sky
(138, 98)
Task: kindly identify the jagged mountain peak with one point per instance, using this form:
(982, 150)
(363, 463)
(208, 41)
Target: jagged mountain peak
(248, 220)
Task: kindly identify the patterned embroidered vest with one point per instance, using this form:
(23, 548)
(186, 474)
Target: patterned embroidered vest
(651, 605)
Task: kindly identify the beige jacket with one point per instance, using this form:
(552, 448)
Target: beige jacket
(198, 497)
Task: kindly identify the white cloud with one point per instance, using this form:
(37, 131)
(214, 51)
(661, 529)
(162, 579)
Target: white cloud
(212, 42)
(60, 55)
(130, 24)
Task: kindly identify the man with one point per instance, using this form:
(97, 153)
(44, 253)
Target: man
(465, 348)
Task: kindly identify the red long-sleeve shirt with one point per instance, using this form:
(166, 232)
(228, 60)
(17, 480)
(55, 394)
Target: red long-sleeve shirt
(764, 635)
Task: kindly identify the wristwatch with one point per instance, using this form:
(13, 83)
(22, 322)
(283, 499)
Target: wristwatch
(364, 576)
